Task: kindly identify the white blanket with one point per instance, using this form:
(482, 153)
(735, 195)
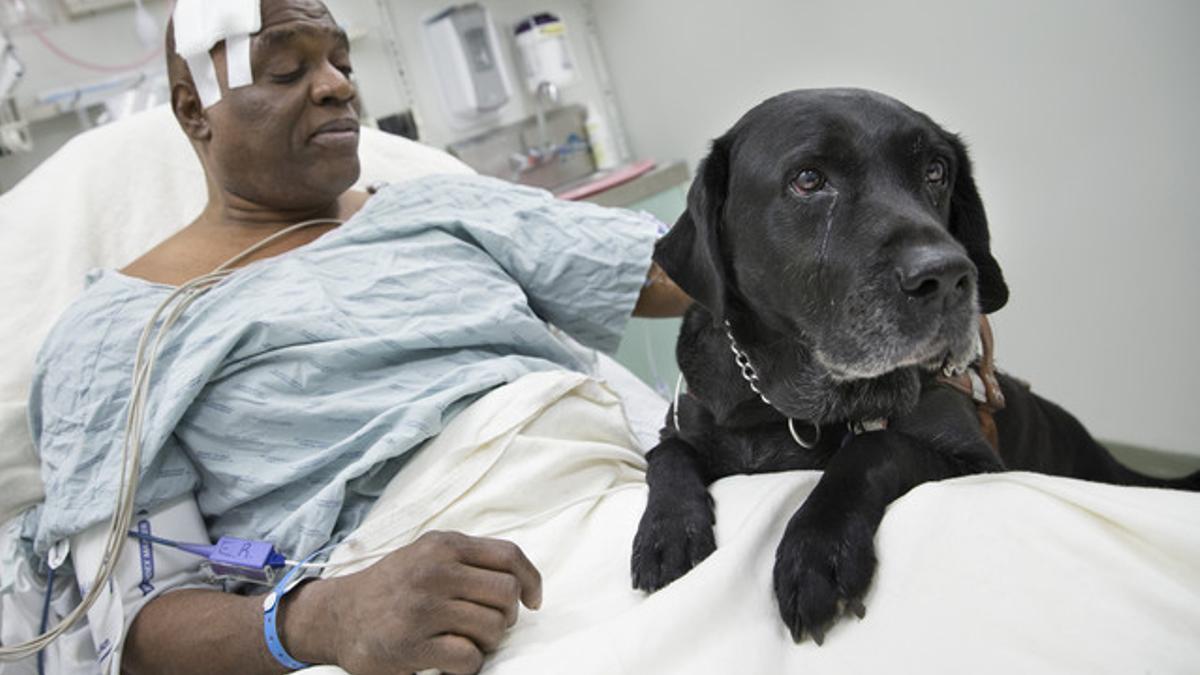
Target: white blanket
(1009, 573)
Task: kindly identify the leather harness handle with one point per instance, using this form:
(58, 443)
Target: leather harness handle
(988, 397)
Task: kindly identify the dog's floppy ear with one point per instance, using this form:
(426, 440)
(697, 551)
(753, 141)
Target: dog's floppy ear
(968, 224)
(691, 253)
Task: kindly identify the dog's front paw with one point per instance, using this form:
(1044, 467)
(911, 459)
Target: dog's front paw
(670, 541)
(820, 571)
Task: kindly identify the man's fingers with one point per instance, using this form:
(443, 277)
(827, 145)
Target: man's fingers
(498, 590)
(504, 556)
(482, 625)
(452, 654)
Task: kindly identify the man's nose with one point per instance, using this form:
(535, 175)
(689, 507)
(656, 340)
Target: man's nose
(333, 86)
(935, 275)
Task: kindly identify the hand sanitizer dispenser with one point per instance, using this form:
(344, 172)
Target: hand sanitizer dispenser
(466, 60)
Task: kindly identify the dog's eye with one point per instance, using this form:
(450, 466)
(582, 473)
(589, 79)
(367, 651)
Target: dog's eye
(808, 181)
(936, 172)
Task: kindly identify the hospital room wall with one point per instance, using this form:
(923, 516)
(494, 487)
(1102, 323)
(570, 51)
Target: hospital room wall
(390, 62)
(1081, 116)
(108, 38)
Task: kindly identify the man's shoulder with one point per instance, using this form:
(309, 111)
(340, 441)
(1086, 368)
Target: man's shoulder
(108, 296)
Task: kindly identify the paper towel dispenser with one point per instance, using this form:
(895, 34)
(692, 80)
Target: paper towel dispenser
(466, 59)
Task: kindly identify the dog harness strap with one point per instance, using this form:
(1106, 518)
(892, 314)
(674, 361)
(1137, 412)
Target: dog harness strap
(979, 383)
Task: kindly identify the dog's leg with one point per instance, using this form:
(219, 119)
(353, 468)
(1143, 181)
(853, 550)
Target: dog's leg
(1038, 435)
(676, 531)
(826, 559)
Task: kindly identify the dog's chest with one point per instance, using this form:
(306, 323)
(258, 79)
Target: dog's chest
(764, 448)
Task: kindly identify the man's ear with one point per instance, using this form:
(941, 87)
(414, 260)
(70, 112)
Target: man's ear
(968, 224)
(690, 253)
(189, 111)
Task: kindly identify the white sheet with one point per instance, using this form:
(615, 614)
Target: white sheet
(1008, 573)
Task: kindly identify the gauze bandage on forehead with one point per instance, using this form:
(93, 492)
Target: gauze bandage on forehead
(200, 25)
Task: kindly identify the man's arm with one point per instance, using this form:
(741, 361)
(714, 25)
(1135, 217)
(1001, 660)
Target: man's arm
(441, 602)
(660, 297)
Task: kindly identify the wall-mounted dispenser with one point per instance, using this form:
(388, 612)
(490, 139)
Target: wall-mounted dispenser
(545, 57)
(466, 59)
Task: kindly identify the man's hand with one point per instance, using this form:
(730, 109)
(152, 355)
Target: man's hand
(441, 602)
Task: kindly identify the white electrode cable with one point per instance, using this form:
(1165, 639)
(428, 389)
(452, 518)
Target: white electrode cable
(131, 457)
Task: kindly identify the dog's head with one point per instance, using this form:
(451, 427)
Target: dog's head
(848, 221)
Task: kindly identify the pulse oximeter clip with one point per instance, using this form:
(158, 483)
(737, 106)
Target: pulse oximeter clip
(230, 558)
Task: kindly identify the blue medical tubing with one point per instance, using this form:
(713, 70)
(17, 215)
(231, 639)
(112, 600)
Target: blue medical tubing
(202, 550)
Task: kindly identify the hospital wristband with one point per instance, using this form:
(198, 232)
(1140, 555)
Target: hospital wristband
(270, 611)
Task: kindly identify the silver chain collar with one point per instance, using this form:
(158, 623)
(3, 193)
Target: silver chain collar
(750, 375)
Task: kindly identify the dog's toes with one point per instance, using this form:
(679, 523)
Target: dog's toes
(820, 574)
(701, 544)
(854, 561)
(859, 609)
(807, 596)
(669, 545)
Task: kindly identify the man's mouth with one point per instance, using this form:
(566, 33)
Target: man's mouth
(337, 132)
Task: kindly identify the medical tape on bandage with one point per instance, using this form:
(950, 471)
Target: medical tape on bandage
(200, 25)
(237, 54)
(204, 75)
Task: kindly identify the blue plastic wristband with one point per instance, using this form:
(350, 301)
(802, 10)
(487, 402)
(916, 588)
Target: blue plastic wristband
(270, 609)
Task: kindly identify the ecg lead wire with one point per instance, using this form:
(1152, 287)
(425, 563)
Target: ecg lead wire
(131, 456)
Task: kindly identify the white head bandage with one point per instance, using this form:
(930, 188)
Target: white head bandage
(200, 25)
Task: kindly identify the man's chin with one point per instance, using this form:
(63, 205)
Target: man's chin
(337, 175)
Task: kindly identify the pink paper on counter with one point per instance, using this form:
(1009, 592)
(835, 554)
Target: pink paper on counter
(610, 180)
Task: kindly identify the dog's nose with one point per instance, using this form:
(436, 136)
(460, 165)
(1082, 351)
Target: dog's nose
(935, 275)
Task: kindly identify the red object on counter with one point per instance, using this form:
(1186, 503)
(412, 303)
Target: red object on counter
(610, 180)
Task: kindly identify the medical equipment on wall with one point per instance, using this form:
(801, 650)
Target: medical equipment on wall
(21, 13)
(11, 70)
(545, 56)
(547, 66)
(14, 131)
(465, 54)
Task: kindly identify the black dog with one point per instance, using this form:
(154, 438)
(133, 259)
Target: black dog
(839, 256)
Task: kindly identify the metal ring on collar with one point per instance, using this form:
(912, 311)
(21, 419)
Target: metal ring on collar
(807, 445)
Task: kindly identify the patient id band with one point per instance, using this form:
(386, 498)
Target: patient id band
(270, 612)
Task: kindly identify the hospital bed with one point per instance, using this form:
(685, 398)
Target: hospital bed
(985, 574)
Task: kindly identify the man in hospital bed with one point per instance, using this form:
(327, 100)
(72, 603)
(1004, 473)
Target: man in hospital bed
(289, 400)
(291, 394)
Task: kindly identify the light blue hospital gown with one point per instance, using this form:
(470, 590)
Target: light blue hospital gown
(290, 394)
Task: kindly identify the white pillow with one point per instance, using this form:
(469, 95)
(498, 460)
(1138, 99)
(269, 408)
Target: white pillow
(102, 200)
